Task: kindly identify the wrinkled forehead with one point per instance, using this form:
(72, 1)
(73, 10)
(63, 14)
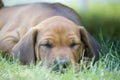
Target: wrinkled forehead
(59, 35)
(59, 26)
(58, 30)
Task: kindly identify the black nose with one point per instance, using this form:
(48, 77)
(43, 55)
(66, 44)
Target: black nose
(60, 64)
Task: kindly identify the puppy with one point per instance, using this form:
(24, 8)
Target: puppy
(46, 32)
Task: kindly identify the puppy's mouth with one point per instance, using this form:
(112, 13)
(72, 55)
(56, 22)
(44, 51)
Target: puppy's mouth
(61, 66)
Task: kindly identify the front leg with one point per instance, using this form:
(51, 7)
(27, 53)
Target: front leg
(7, 41)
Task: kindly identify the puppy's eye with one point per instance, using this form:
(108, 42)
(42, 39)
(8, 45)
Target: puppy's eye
(73, 45)
(48, 45)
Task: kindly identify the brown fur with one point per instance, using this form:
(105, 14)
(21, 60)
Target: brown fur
(44, 32)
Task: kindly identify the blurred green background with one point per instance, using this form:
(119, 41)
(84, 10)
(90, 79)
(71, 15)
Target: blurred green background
(98, 16)
(103, 18)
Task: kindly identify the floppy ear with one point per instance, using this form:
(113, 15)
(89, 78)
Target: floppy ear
(90, 44)
(24, 50)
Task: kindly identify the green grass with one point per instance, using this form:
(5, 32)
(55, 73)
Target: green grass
(107, 68)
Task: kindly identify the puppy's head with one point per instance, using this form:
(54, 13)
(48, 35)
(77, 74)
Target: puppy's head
(55, 41)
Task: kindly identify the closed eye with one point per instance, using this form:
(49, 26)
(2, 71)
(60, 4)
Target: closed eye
(47, 45)
(74, 44)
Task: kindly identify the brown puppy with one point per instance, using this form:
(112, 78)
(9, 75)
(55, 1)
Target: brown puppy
(45, 32)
